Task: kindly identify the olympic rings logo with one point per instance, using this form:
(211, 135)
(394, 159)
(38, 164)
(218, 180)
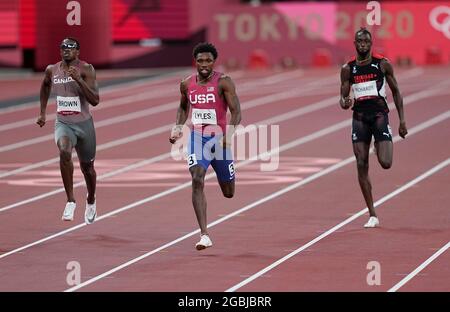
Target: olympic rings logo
(444, 25)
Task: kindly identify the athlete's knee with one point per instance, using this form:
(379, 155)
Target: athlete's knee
(228, 193)
(227, 189)
(362, 163)
(198, 181)
(65, 155)
(385, 164)
(87, 168)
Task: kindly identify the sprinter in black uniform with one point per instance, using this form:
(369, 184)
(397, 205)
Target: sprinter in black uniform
(366, 75)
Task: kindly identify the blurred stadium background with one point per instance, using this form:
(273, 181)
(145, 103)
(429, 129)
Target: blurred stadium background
(249, 34)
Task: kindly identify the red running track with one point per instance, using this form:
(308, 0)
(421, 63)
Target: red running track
(35, 246)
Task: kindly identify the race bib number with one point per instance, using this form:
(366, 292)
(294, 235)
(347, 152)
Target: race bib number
(191, 160)
(231, 169)
(68, 105)
(365, 90)
(204, 116)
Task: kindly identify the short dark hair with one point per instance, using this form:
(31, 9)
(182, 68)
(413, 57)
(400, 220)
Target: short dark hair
(74, 40)
(203, 47)
(363, 30)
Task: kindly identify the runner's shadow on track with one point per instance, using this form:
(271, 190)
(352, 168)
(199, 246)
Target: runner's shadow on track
(200, 255)
(251, 255)
(105, 240)
(237, 256)
(413, 231)
(384, 229)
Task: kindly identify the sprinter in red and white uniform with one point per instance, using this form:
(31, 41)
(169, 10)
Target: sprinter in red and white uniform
(366, 75)
(207, 95)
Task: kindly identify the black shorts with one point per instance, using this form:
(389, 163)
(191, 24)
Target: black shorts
(364, 125)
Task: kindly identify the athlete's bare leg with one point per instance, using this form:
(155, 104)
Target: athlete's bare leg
(384, 151)
(361, 150)
(227, 188)
(90, 176)
(66, 166)
(198, 196)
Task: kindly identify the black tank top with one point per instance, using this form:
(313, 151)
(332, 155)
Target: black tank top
(368, 85)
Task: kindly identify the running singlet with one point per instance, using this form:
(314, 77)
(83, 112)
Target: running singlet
(71, 104)
(208, 108)
(368, 85)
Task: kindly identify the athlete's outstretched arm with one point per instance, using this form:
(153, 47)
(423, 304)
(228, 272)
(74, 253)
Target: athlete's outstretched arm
(45, 94)
(229, 92)
(182, 114)
(183, 109)
(87, 82)
(345, 101)
(398, 99)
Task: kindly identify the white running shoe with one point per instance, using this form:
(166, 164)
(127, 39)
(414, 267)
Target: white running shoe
(90, 213)
(69, 211)
(373, 222)
(204, 242)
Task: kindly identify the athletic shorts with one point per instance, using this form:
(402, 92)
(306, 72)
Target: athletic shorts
(82, 136)
(366, 125)
(206, 150)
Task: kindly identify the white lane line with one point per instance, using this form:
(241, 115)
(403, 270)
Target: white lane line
(287, 146)
(156, 80)
(419, 268)
(406, 186)
(418, 71)
(142, 163)
(99, 124)
(249, 104)
(130, 116)
(108, 104)
(284, 147)
(244, 87)
(303, 110)
(133, 166)
(309, 179)
(151, 81)
(412, 131)
(147, 95)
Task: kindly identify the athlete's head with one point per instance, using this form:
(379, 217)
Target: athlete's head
(205, 55)
(363, 42)
(69, 49)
